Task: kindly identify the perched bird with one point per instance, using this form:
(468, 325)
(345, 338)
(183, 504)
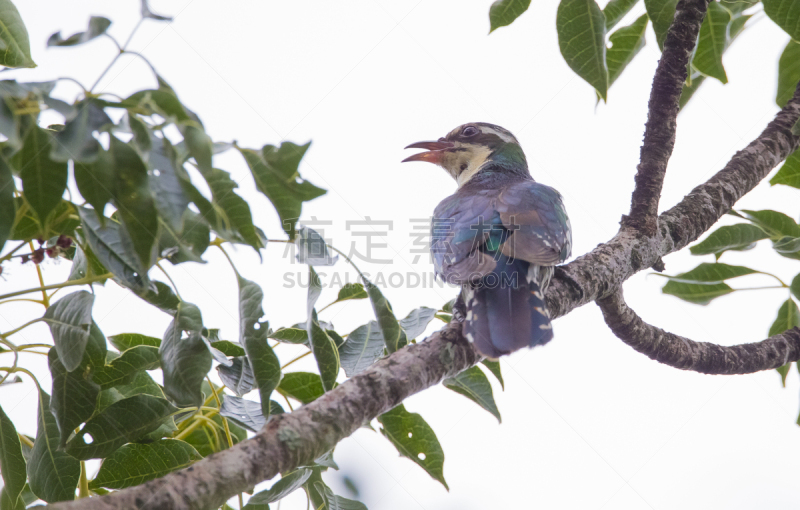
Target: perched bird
(498, 236)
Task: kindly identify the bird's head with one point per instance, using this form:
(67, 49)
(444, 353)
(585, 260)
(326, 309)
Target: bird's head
(471, 148)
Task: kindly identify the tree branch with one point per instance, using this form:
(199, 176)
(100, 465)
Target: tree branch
(296, 439)
(601, 271)
(659, 133)
(706, 358)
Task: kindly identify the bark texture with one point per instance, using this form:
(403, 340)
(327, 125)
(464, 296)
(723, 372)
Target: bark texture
(601, 271)
(296, 439)
(659, 132)
(680, 352)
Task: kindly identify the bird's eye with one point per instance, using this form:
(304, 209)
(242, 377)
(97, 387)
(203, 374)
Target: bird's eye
(469, 131)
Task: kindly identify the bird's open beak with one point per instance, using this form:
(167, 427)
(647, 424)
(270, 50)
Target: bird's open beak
(435, 152)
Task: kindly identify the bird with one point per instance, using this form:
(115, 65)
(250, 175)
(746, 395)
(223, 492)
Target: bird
(499, 236)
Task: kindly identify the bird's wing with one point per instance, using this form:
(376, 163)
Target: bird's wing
(537, 221)
(461, 225)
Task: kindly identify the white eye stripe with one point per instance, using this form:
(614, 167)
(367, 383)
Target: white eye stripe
(503, 135)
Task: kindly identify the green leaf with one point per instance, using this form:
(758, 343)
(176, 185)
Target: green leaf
(168, 181)
(162, 297)
(95, 179)
(581, 30)
(795, 286)
(788, 73)
(788, 318)
(8, 208)
(698, 293)
(110, 244)
(304, 387)
(615, 10)
(661, 13)
(712, 42)
(288, 483)
(232, 210)
(415, 439)
(26, 498)
(189, 245)
(13, 38)
(238, 377)
(774, 223)
(60, 221)
(253, 336)
(473, 384)
(185, 360)
(246, 413)
(311, 248)
(786, 245)
(70, 319)
(52, 473)
(351, 291)
(147, 13)
(123, 369)
(43, 180)
(85, 264)
(494, 368)
(12, 463)
(135, 464)
(122, 422)
(712, 273)
(625, 44)
(785, 14)
(325, 353)
(125, 341)
(392, 332)
(789, 174)
(276, 176)
(364, 346)
(334, 502)
(97, 27)
(784, 371)
(229, 348)
(142, 384)
(730, 237)
(199, 145)
(737, 6)
(76, 141)
(74, 396)
(133, 200)
(417, 320)
(503, 12)
(290, 335)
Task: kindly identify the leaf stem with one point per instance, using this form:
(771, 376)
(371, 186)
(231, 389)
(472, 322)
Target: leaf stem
(296, 359)
(122, 50)
(230, 261)
(24, 439)
(45, 299)
(37, 301)
(71, 283)
(8, 255)
(347, 259)
(175, 287)
(83, 482)
(228, 436)
(3, 336)
(130, 37)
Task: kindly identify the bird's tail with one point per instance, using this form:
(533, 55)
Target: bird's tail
(506, 311)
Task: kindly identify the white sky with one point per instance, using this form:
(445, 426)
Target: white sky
(587, 422)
